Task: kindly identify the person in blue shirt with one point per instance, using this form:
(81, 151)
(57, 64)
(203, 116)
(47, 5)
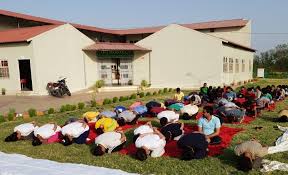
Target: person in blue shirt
(210, 126)
(230, 95)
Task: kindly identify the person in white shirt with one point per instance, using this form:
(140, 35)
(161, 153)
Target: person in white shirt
(128, 117)
(150, 144)
(22, 132)
(43, 133)
(167, 117)
(188, 111)
(109, 142)
(75, 132)
(143, 129)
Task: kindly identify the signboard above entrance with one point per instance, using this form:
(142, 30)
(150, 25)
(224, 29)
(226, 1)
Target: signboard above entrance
(115, 54)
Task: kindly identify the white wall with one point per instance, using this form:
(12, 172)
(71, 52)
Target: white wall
(58, 52)
(140, 67)
(240, 35)
(13, 53)
(182, 57)
(235, 53)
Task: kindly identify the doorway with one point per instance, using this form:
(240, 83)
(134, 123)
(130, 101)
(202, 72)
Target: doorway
(25, 75)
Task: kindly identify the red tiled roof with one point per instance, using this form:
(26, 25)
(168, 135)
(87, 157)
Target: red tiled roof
(107, 46)
(29, 17)
(195, 26)
(23, 34)
(145, 30)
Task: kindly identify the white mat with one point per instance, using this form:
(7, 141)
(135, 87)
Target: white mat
(16, 164)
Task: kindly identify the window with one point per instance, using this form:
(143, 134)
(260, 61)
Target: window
(237, 65)
(230, 65)
(104, 76)
(123, 66)
(125, 76)
(4, 70)
(250, 66)
(243, 65)
(225, 64)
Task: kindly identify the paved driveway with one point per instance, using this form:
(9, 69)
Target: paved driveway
(23, 103)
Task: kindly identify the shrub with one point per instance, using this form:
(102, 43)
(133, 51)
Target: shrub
(63, 108)
(170, 90)
(141, 94)
(68, 107)
(93, 103)
(73, 107)
(32, 112)
(11, 114)
(99, 83)
(51, 111)
(154, 93)
(81, 105)
(165, 90)
(144, 83)
(133, 96)
(106, 101)
(148, 94)
(2, 119)
(115, 99)
(160, 91)
(127, 97)
(130, 82)
(121, 98)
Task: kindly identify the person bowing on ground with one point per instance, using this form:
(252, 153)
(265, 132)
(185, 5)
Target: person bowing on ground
(150, 144)
(210, 125)
(48, 133)
(109, 142)
(75, 132)
(22, 132)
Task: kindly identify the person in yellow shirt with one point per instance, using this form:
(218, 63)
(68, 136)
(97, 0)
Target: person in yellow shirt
(105, 124)
(91, 116)
(179, 96)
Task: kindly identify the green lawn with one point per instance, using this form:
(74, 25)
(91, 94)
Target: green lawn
(224, 164)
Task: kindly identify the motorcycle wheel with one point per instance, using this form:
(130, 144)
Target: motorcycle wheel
(68, 92)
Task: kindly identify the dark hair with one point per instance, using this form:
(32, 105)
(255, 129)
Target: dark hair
(283, 118)
(36, 141)
(208, 109)
(187, 154)
(186, 116)
(11, 138)
(245, 164)
(98, 151)
(135, 137)
(66, 141)
(141, 154)
(178, 89)
(121, 121)
(168, 136)
(193, 98)
(99, 131)
(163, 121)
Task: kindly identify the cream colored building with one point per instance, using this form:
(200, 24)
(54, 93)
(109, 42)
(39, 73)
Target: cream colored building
(39, 50)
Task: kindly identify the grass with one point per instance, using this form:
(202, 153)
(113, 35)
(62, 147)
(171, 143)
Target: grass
(224, 164)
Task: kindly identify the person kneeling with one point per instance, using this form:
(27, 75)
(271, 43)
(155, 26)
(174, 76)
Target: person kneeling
(109, 142)
(22, 132)
(127, 117)
(210, 125)
(194, 146)
(45, 134)
(76, 132)
(150, 144)
(172, 131)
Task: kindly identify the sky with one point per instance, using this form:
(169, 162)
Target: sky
(269, 17)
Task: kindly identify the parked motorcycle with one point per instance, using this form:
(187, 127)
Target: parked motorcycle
(58, 89)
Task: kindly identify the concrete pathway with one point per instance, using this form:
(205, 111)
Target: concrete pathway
(23, 103)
